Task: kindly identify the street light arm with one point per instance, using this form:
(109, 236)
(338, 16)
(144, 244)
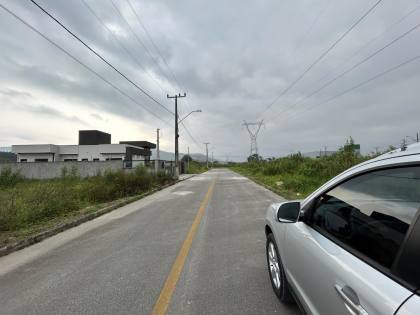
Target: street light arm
(194, 111)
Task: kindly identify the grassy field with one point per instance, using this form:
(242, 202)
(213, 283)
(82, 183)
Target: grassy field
(29, 205)
(295, 176)
(196, 167)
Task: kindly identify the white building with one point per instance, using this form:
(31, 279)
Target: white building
(63, 153)
(94, 151)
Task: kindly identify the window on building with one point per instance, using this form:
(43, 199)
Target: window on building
(96, 159)
(24, 160)
(84, 160)
(116, 159)
(69, 160)
(370, 214)
(41, 160)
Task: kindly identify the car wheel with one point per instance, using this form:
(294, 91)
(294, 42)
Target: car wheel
(276, 271)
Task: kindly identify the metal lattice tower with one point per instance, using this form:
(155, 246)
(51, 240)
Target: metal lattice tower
(253, 134)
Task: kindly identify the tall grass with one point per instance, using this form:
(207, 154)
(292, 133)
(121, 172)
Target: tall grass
(196, 167)
(300, 175)
(27, 202)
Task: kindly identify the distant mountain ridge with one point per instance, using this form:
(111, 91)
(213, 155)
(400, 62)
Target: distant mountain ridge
(170, 156)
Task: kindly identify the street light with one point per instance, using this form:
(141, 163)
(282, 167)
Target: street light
(194, 111)
(188, 160)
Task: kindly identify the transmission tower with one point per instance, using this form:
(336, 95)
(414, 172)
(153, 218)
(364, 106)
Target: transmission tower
(253, 134)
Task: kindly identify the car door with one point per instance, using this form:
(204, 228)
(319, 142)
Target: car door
(340, 259)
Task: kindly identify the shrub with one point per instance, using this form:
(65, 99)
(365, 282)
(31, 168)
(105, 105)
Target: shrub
(8, 178)
(26, 202)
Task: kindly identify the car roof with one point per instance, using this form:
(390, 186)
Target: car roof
(393, 157)
(411, 154)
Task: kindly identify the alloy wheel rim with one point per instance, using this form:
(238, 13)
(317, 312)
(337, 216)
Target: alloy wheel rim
(274, 265)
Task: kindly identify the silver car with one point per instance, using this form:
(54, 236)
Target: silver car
(352, 246)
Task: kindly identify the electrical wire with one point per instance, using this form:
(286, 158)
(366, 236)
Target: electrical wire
(320, 57)
(76, 59)
(175, 79)
(377, 76)
(122, 46)
(373, 40)
(137, 37)
(153, 42)
(100, 57)
(355, 66)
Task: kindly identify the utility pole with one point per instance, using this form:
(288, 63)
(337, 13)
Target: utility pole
(417, 137)
(188, 160)
(176, 175)
(253, 135)
(212, 159)
(207, 153)
(157, 161)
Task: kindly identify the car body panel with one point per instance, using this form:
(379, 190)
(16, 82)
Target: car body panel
(314, 264)
(411, 306)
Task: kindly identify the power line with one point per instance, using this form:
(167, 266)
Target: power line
(153, 42)
(190, 135)
(377, 76)
(100, 57)
(176, 81)
(165, 62)
(90, 9)
(76, 59)
(331, 47)
(328, 83)
(156, 48)
(370, 42)
(137, 37)
(128, 52)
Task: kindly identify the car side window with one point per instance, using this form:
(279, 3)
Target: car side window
(371, 213)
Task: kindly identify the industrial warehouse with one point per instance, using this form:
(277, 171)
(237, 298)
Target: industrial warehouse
(94, 145)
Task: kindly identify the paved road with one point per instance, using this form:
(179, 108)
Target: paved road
(120, 262)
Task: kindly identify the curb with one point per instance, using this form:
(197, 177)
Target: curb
(5, 250)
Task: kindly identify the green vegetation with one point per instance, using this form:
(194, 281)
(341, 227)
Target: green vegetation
(28, 203)
(296, 176)
(196, 167)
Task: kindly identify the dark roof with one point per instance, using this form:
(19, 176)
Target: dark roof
(93, 137)
(141, 144)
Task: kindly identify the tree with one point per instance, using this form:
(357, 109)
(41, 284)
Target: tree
(255, 158)
(186, 158)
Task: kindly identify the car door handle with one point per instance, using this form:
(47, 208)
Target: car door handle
(351, 300)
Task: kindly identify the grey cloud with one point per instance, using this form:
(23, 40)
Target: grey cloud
(233, 58)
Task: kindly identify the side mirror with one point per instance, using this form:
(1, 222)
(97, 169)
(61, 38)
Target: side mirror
(288, 212)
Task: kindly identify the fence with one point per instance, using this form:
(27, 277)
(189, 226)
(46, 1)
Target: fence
(47, 170)
(162, 166)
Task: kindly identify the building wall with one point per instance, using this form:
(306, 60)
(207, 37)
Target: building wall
(100, 152)
(41, 170)
(31, 157)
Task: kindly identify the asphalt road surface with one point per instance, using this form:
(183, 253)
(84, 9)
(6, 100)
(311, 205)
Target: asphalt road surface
(197, 247)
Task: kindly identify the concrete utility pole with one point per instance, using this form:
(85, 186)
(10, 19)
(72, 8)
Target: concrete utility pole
(176, 175)
(207, 153)
(212, 159)
(157, 161)
(253, 135)
(188, 160)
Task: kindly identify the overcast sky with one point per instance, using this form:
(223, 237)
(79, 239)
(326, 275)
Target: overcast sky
(232, 58)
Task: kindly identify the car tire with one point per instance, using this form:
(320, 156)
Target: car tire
(276, 272)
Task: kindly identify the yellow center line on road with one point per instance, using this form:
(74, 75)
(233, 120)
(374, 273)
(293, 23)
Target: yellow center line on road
(168, 289)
